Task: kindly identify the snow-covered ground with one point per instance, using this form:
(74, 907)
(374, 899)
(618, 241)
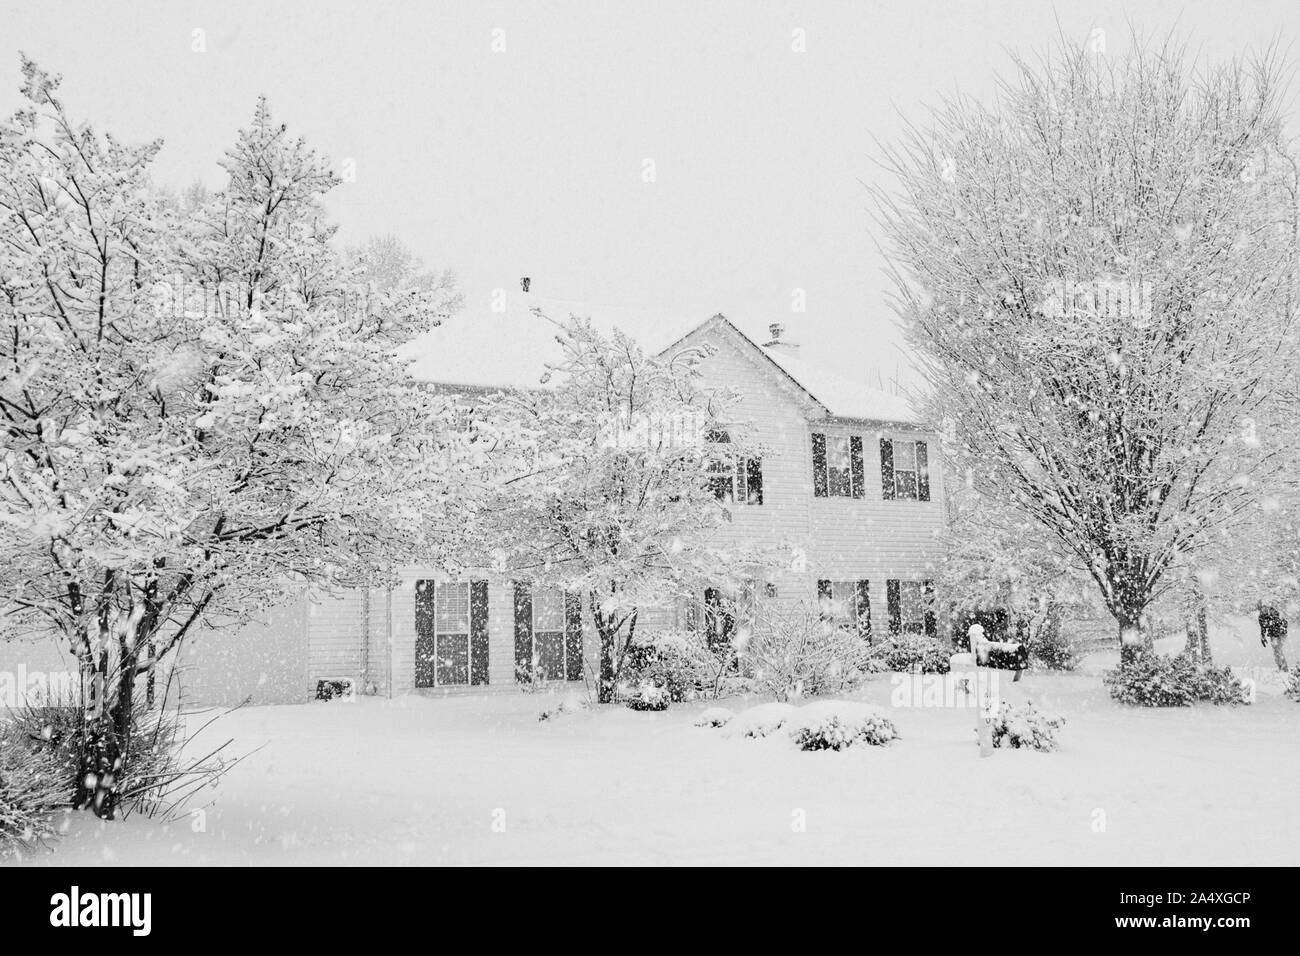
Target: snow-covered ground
(479, 780)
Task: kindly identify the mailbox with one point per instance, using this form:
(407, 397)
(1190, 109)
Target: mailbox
(1004, 655)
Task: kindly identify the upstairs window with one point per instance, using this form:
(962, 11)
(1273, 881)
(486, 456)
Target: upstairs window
(904, 469)
(837, 466)
(732, 478)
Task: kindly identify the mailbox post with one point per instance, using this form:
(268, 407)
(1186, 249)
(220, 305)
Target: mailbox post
(983, 658)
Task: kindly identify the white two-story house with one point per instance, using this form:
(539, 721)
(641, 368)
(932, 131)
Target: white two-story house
(845, 486)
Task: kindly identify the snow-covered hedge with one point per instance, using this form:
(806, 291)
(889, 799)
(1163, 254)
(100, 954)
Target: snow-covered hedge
(821, 725)
(714, 717)
(837, 724)
(1025, 727)
(903, 652)
(648, 697)
(573, 703)
(1156, 680)
(760, 721)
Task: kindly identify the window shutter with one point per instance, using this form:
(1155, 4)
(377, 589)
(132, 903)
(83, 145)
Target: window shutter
(478, 632)
(887, 468)
(523, 633)
(823, 597)
(425, 651)
(819, 464)
(572, 635)
(922, 472)
(858, 478)
(754, 481)
(864, 609)
(894, 601)
(931, 622)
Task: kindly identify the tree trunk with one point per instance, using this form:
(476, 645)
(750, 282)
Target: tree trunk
(1134, 635)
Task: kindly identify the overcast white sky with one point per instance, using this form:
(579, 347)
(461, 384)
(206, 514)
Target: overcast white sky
(529, 161)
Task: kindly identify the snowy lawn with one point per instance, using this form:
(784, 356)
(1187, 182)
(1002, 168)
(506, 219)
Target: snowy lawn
(418, 780)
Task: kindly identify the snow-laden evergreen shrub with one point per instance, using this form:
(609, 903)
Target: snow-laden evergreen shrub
(648, 697)
(1293, 684)
(837, 724)
(1025, 727)
(1053, 649)
(714, 717)
(760, 721)
(35, 784)
(1156, 680)
(903, 652)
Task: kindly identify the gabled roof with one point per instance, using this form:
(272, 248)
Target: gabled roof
(511, 349)
(835, 395)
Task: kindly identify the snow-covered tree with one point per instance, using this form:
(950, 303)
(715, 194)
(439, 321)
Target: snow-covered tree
(624, 461)
(999, 559)
(201, 404)
(1098, 276)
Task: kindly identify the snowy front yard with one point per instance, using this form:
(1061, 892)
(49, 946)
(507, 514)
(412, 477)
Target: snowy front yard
(475, 780)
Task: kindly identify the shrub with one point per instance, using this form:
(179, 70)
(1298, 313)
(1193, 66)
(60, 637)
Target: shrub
(714, 717)
(573, 703)
(1293, 684)
(1025, 727)
(648, 697)
(795, 653)
(903, 652)
(1053, 649)
(36, 782)
(1156, 680)
(682, 664)
(837, 724)
(760, 721)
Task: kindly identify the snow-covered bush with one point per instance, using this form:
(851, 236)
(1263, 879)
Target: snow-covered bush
(35, 784)
(714, 717)
(1293, 684)
(648, 697)
(1052, 648)
(1025, 727)
(836, 724)
(682, 663)
(573, 703)
(797, 653)
(1156, 680)
(760, 721)
(903, 652)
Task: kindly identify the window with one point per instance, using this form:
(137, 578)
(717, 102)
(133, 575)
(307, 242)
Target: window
(443, 651)
(839, 474)
(451, 629)
(905, 469)
(548, 633)
(846, 604)
(731, 478)
(837, 465)
(911, 607)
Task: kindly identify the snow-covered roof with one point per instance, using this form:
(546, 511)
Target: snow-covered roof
(511, 349)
